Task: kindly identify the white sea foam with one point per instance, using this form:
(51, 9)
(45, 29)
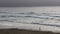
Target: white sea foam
(33, 18)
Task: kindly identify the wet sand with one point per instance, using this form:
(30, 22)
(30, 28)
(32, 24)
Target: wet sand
(16, 31)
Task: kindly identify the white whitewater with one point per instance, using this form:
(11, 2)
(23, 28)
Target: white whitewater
(30, 18)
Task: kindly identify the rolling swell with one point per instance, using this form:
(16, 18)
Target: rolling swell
(35, 17)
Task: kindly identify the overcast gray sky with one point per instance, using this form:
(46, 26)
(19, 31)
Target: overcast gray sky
(20, 3)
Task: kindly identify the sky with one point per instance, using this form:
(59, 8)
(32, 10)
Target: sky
(22, 3)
